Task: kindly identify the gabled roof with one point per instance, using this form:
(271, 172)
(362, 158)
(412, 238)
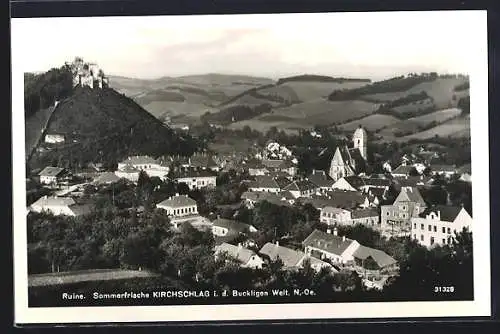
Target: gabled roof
(177, 201)
(443, 168)
(202, 160)
(286, 195)
(193, 173)
(242, 254)
(410, 194)
(128, 169)
(139, 160)
(381, 258)
(106, 177)
(51, 171)
(282, 181)
(447, 213)
(360, 162)
(413, 181)
(327, 242)
(271, 163)
(300, 185)
(232, 225)
(54, 201)
(254, 164)
(355, 181)
(402, 169)
(264, 181)
(320, 178)
(337, 199)
(341, 156)
(364, 213)
(81, 209)
(377, 192)
(377, 182)
(290, 257)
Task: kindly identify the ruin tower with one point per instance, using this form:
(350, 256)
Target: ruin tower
(360, 140)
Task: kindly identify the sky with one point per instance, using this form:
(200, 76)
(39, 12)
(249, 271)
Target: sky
(369, 45)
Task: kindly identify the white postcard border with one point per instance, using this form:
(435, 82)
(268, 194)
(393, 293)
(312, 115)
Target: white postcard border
(476, 51)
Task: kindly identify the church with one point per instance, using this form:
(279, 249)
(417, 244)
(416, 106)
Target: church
(350, 161)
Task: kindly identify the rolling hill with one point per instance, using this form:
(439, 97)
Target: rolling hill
(102, 125)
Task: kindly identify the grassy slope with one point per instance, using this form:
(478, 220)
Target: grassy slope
(372, 122)
(313, 90)
(459, 127)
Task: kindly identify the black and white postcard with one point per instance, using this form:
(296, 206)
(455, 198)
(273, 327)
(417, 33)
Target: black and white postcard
(250, 167)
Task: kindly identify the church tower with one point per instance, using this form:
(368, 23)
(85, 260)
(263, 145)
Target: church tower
(360, 140)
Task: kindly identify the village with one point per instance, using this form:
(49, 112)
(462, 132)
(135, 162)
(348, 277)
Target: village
(391, 203)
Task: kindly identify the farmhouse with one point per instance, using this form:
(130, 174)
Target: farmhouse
(196, 179)
(333, 216)
(369, 261)
(285, 166)
(291, 259)
(264, 183)
(330, 246)
(369, 217)
(402, 170)
(250, 198)
(395, 218)
(65, 206)
(151, 166)
(246, 257)
(255, 167)
(179, 206)
(203, 161)
(106, 178)
(438, 225)
(301, 188)
(128, 172)
(226, 227)
(322, 181)
(53, 175)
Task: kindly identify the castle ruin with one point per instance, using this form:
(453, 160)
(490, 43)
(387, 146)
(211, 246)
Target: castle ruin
(87, 74)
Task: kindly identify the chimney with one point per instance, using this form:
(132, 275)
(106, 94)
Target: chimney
(277, 243)
(329, 231)
(335, 231)
(218, 216)
(176, 194)
(343, 238)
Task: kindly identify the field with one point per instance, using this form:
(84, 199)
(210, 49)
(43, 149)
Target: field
(288, 127)
(248, 100)
(371, 123)
(84, 276)
(456, 128)
(441, 90)
(414, 107)
(158, 108)
(283, 91)
(308, 90)
(416, 123)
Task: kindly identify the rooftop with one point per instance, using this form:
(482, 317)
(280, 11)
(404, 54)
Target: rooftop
(177, 202)
(231, 225)
(447, 213)
(380, 257)
(300, 185)
(364, 213)
(290, 257)
(331, 243)
(51, 171)
(242, 254)
(139, 160)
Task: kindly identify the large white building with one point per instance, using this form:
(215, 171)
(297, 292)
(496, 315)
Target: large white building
(196, 179)
(152, 167)
(60, 206)
(438, 225)
(179, 206)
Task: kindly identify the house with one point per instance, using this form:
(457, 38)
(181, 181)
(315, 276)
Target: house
(53, 175)
(338, 199)
(301, 188)
(322, 181)
(349, 254)
(376, 195)
(444, 170)
(350, 161)
(106, 178)
(179, 206)
(227, 227)
(395, 218)
(333, 216)
(246, 257)
(465, 173)
(291, 259)
(369, 217)
(402, 170)
(255, 167)
(58, 206)
(152, 167)
(196, 179)
(54, 138)
(128, 172)
(438, 225)
(414, 181)
(330, 246)
(376, 182)
(285, 166)
(250, 198)
(264, 183)
(351, 183)
(203, 161)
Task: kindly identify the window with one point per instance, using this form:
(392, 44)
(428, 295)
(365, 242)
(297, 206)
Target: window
(404, 207)
(421, 237)
(430, 228)
(404, 215)
(444, 229)
(449, 230)
(432, 240)
(388, 213)
(414, 225)
(435, 228)
(444, 241)
(415, 236)
(421, 226)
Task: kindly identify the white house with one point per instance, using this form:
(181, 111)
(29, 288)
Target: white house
(330, 246)
(65, 206)
(152, 167)
(302, 188)
(444, 170)
(265, 183)
(53, 175)
(349, 183)
(179, 206)
(54, 138)
(333, 216)
(226, 227)
(128, 172)
(247, 257)
(438, 225)
(196, 179)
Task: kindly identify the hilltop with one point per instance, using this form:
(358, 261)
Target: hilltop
(98, 124)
